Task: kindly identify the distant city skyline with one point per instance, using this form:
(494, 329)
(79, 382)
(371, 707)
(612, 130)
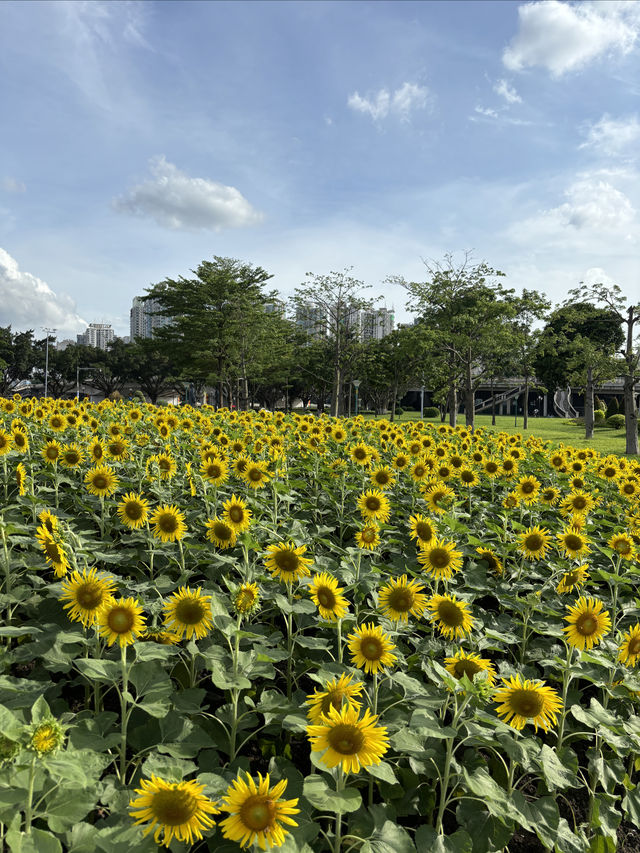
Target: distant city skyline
(316, 136)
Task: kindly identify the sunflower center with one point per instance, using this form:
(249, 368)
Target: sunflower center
(622, 546)
(236, 514)
(492, 467)
(52, 452)
(222, 531)
(527, 488)
(371, 648)
(368, 534)
(190, 611)
(573, 542)
(467, 477)
(526, 703)
(419, 470)
(424, 531)
(333, 699)
(258, 812)
(120, 620)
(168, 523)
(97, 452)
(164, 465)
(628, 488)
(255, 474)
(382, 478)
(89, 596)
(439, 558)
(571, 578)
(534, 542)
(53, 552)
(287, 561)
(401, 600)
(490, 560)
(133, 510)
(466, 667)
(372, 503)
(100, 481)
(610, 472)
(634, 646)
(214, 471)
(450, 614)
(327, 598)
(359, 453)
(579, 502)
(346, 739)
(587, 624)
(72, 457)
(173, 808)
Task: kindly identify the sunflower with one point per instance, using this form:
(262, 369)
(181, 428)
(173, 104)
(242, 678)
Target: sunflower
(101, 481)
(162, 465)
(373, 504)
(172, 809)
(440, 558)
(421, 529)
(71, 456)
(623, 545)
(400, 461)
(221, 533)
(168, 523)
(469, 664)
(525, 701)
(57, 422)
(51, 452)
(256, 812)
(588, 623)
(286, 561)
(20, 440)
(256, 475)
(371, 649)
(133, 510)
(534, 542)
(246, 599)
(509, 467)
(549, 496)
(468, 477)
(163, 638)
(360, 454)
(527, 489)
(214, 471)
(573, 579)
(21, 479)
(629, 489)
(491, 468)
(577, 502)
(328, 597)
(400, 598)
(557, 460)
(337, 693)
(573, 543)
(121, 620)
(438, 497)
(629, 650)
(48, 521)
(54, 551)
(188, 612)
(491, 559)
(85, 594)
(382, 477)
(368, 538)
(45, 737)
(420, 470)
(348, 740)
(117, 448)
(237, 514)
(451, 615)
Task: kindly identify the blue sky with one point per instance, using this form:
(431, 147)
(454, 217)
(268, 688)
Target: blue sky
(141, 138)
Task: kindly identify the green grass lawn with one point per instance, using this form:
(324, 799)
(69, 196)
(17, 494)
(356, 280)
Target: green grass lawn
(605, 439)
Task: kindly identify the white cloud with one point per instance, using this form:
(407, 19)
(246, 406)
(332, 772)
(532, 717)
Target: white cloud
(486, 111)
(400, 102)
(28, 302)
(177, 201)
(613, 136)
(565, 37)
(11, 185)
(507, 92)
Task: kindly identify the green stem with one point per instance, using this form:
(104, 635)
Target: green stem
(289, 643)
(566, 680)
(28, 811)
(374, 711)
(337, 839)
(235, 694)
(444, 779)
(339, 639)
(124, 715)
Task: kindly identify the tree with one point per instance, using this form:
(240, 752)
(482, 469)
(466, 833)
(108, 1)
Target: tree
(467, 307)
(329, 305)
(61, 374)
(530, 307)
(627, 316)
(151, 367)
(216, 318)
(18, 357)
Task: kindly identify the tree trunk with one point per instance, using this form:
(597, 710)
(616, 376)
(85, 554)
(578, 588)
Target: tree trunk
(493, 404)
(630, 410)
(453, 405)
(393, 403)
(469, 397)
(588, 405)
(525, 412)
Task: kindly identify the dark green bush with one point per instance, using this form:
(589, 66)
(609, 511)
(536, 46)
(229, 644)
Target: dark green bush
(431, 412)
(616, 421)
(612, 408)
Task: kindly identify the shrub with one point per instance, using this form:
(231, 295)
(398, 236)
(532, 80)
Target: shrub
(598, 415)
(612, 408)
(616, 421)
(431, 412)
(600, 405)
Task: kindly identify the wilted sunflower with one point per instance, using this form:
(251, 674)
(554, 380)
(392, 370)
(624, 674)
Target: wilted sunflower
(494, 563)
(573, 543)
(382, 477)
(469, 664)
(348, 740)
(285, 561)
(237, 514)
(623, 545)
(368, 538)
(85, 593)
(400, 598)
(50, 452)
(438, 497)
(629, 650)
(221, 533)
(256, 475)
(133, 510)
(534, 542)
(588, 623)
(525, 701)
(451, 615)
(71, 456)
(121, 620)
(328, 597)
(373, 504)
(214, 471)
(163, 638)
(421, 529)
(101, 481)
(337, 693)
(246, 599)
(371, 649)
(256, 812)
(577, 502)
(440, 558)
(188, 612)
(172, 809)
(168, 523)
(575, 578)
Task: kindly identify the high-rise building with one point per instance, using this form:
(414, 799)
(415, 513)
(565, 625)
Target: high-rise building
(376, 323)
(145, 319)
(312, 319)
(98, 335)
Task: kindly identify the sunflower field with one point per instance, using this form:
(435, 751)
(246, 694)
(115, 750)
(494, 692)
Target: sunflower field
(227, 630)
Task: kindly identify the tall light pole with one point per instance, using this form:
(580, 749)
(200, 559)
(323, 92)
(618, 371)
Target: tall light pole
(46, 358)
(356, 385)
(422, 400)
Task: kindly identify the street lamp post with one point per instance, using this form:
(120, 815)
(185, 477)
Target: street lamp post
(356, 385)
(422, 400)
(78, 369)
(46, 359)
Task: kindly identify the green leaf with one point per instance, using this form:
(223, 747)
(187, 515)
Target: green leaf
(10, 727)
(64, 811)
(428, 839)
(104, 671)
(559, 769)
(384, 772)
(39, 841)
(324, 798)
(40, 710)
(225, 680)
(153, 688)
(171, 769)
(631, 806)
(496, 799)
(389, 838)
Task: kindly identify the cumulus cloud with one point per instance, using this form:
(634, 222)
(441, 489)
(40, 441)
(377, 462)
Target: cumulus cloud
(177, 201)
(486, 111)
(400, 103)
(27, 302)
(613, 136)
(507, 92)
(565, 37)
(11, 185)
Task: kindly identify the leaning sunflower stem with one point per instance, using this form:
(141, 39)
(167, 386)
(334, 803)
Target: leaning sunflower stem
(446, 774)
(337, 838)
(235, 694)
(566, 681)
(124, 714)
(374, 711)
(614, 597)
(181, 550)
(28, 810)
(290, 641)
(339, 640)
